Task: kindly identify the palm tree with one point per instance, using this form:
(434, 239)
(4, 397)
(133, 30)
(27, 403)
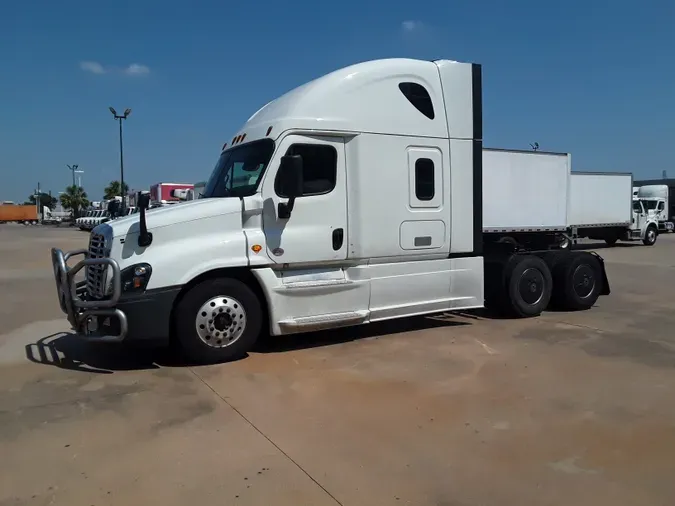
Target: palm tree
(74, 198)
(113, 190)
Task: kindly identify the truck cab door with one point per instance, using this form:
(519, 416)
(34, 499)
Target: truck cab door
(316, 229)
(640, 216)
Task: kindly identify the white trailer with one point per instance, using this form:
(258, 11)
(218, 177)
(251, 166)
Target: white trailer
(601, 206)
(525, 196)
(362, 201)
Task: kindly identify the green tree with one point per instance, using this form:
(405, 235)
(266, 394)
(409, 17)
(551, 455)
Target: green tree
(75, 199)
(113, 190)
(45, 200)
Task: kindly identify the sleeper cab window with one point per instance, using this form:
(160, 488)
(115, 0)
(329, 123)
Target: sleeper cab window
(424, 179)
(425, 166)
(319, 168)
(419, 97)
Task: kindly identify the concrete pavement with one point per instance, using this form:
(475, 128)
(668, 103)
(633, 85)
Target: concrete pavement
(568, 408)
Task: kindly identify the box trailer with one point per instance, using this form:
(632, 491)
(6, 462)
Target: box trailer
(25, 214)
(601, 206)
(524, 191)
(600, 199)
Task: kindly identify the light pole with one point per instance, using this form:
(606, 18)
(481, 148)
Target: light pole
(73, 169)
(119, 118)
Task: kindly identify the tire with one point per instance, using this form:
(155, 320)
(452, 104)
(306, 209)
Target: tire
(650, 236)
(528, 284)
(230, 301)
(577, 282)
(611, 241)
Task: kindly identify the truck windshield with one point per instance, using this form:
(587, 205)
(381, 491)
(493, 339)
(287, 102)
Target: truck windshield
(239, 170)
(650, 204)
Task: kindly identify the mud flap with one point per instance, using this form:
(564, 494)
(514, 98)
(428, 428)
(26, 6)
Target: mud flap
(605, 282)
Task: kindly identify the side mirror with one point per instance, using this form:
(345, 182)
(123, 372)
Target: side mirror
(143, 200)
(289, 183)
(144, 237)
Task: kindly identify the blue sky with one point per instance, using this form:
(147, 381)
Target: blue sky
(595, 77)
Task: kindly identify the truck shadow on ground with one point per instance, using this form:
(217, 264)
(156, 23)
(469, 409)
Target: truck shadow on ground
(69, 351)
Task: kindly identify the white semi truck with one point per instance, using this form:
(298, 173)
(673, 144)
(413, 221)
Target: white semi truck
(655, 199)
(355, 198)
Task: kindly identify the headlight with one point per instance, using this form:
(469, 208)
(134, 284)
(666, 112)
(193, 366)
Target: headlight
(136, 277)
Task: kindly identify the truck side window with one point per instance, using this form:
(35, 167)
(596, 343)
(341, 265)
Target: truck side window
(419, 97)
(319, 167)
(424, 179)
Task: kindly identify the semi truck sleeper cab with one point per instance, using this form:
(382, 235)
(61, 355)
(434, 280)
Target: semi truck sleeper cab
(354, 198)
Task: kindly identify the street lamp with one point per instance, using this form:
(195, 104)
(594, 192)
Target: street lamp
(120, 117)
(73, 169)
(79, 178)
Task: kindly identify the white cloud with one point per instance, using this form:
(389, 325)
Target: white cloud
(134, 69)
(92, 66)
(411, 25)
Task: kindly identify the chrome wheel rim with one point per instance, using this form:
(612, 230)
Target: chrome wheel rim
(220, 321)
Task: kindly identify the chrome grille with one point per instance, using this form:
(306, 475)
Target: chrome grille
(96, 274)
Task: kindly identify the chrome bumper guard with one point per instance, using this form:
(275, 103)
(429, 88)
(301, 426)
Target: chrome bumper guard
(84, 314)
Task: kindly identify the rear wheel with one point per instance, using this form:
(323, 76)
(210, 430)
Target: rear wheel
(650, 236)
(577, 281)
(218, 320)
(528, 285)
(611, 241)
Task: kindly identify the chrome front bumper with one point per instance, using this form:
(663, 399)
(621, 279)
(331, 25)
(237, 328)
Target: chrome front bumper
(86, 315)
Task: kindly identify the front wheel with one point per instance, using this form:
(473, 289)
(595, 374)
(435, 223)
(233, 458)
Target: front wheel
(218, 320)
(650, 236)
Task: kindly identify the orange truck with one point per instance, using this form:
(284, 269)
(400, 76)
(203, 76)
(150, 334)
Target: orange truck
(17, 213)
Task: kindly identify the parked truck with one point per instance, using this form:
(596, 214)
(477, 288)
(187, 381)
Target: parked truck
(533, 199)
(655, 199)
(601, 206)
(363, 201)
(24, 214)
(165, 193)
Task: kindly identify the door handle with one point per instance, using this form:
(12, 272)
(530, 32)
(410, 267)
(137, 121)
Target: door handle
(338, 238)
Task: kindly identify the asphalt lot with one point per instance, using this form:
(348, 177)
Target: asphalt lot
(568, 408)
